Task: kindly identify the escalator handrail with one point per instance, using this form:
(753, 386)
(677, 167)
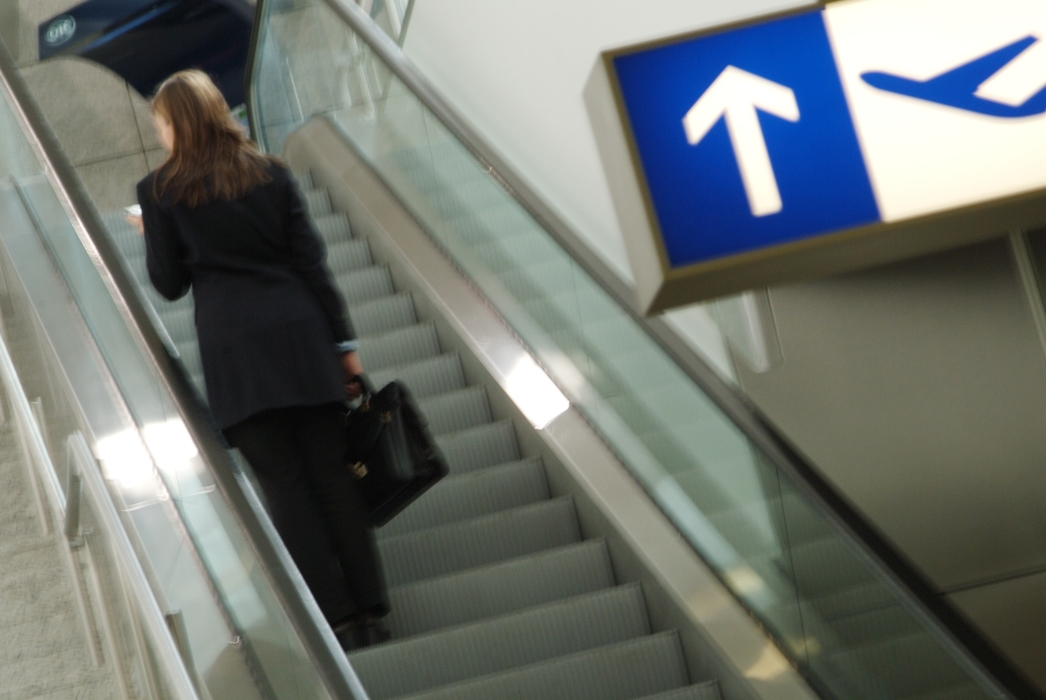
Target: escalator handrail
(319, 642)
(951, 627)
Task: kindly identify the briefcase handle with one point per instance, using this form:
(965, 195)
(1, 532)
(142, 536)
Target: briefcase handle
(364, 381)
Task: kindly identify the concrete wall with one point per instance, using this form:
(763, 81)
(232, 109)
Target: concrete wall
(919, 388)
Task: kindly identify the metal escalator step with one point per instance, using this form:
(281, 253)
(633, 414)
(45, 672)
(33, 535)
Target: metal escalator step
(317, 202)
(178, 320)
(701, 691)
(622, 671)
(383, 315)
(363, 285)
(409, 344)
(481, 225)
(965, 692)
(867, 628)
(511, 641)
(499, 589)
(123, 234)
(442, 550)
(804, 522)
(428, 377)
(304, 179)
(459, 410)
(903, 667)
(824, 566)
(842, 603)
(349, 254)
(190, 353)
(475, 448)
(133, 256)
(519, 251)
(458, 498)
(333, 227)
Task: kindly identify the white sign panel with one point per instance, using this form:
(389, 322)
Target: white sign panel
(967, 138)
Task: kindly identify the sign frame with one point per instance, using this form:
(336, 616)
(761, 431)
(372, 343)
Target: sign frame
(660, 287)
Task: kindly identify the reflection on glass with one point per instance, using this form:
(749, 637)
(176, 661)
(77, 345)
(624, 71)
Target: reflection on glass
(829, 611)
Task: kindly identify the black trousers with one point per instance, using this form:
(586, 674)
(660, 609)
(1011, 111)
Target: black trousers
(296, 453)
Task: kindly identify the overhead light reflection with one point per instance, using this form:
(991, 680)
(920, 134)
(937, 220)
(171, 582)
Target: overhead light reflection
(533, 391)
(125, 459)
(171, 444)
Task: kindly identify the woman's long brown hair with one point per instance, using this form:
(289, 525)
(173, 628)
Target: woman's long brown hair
(212, 158)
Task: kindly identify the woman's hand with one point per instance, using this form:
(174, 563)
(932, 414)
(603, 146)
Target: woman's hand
(353, 366)
(135, 221)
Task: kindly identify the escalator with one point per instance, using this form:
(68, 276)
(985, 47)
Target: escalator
(617, 524)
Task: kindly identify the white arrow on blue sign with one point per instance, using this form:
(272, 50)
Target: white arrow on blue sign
(734, 97)
(822, 126)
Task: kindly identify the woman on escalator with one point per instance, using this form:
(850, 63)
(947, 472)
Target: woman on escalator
(278, 351)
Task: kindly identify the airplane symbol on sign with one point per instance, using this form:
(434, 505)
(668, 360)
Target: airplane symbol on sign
(957, 87)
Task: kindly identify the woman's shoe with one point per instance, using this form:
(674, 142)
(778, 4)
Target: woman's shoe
(360, 632)
(372, 630)
(347, 634)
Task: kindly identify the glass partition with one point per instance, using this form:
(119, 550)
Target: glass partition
(81, 364)
(848, 627)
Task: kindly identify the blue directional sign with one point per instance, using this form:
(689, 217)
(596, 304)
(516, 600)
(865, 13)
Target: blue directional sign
(758, 102)
(822, 138)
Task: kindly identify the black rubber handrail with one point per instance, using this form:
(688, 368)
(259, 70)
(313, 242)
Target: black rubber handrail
(329, 661)
(950, 626)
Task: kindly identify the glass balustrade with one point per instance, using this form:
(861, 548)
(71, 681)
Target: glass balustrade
(89, 372)
(849, 628)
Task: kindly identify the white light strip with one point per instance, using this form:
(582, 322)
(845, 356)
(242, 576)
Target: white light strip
(533, 391)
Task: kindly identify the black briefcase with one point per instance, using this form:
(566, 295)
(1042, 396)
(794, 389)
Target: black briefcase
(391, 452)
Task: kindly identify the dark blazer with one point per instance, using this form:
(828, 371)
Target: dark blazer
(268, 314)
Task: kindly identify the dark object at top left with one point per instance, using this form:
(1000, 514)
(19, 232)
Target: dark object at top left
(144, 41)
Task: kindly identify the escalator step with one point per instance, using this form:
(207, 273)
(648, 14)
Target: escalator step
(822, 567)
(179, 322)
(539, 634)
(304, 180)
(480, 447)
(447, 413)
(870, 596)
(621, 671)
(363, 285)
(333, 227)
(517, 252)
(317, 202)
(383, 315)
(190, 353)
(865, 629)
(428, 377)
(442, 550)
(349, 254)
(903, 667)
(458, 498)
(965, 692)
(409, 344)
(502, 588)
(702, 691)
